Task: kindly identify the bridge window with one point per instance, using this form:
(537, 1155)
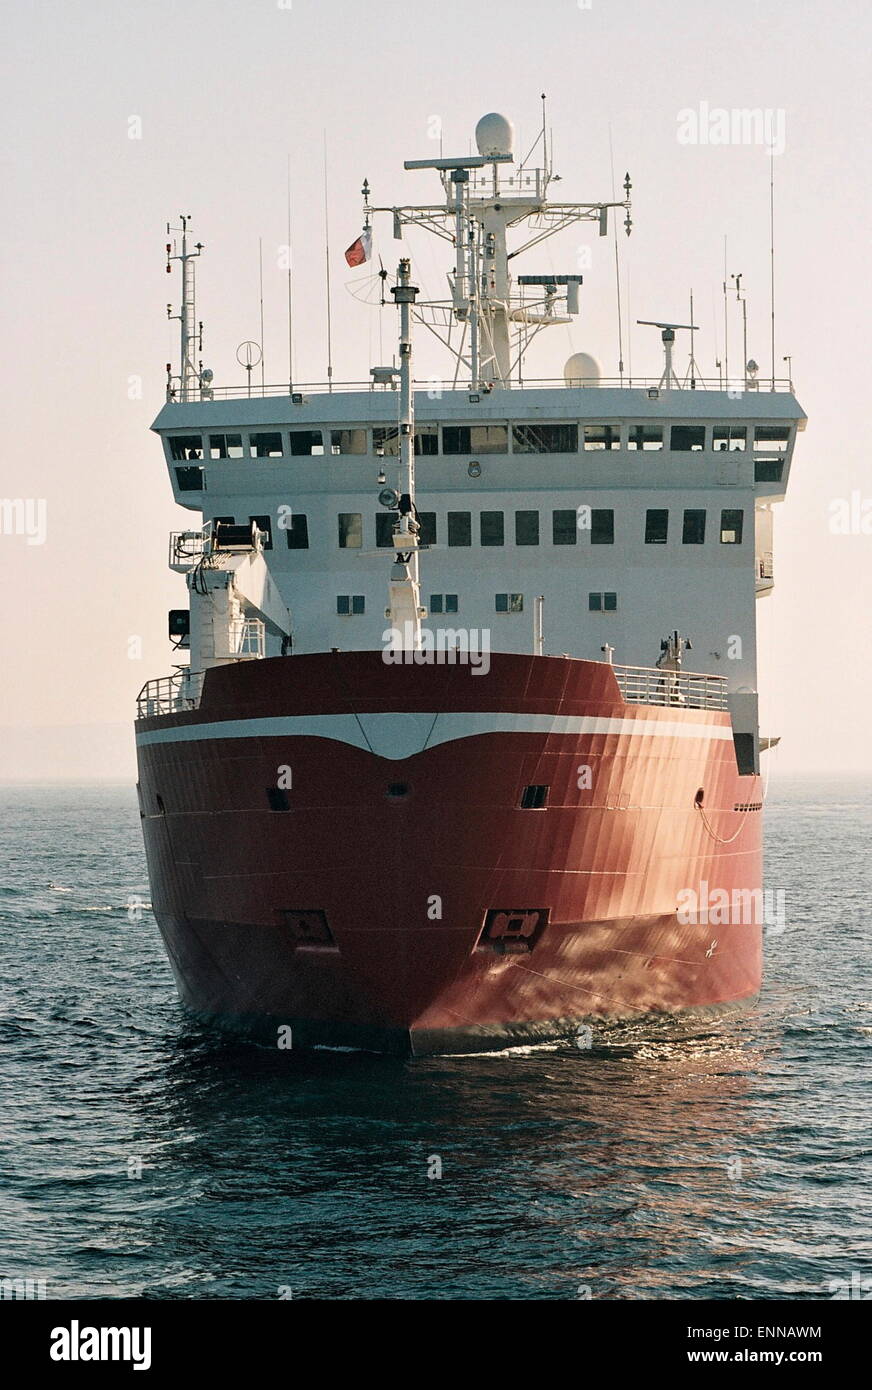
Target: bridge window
(298, 532)
(426, 441)
(602, 602)
(687, 438)
(693, 530)
(264, 523)
(771, 439)
(427, 533)
(645, 437)
(564, 527)
(305, 443)
(656, 526)
(267, 445)
(347, 442)
(190, 479)
(350, 605)
(186, 446)
(731, 526)
(475, 439)
(729, 436)
(459, 528)
(526, 528)
(350, 530)
(225, 446)
(509, 603)
(545, 439)
(443, 603)
(384, 529)
(602, 526)
(602, 436)
(386, 440)
(492, 528)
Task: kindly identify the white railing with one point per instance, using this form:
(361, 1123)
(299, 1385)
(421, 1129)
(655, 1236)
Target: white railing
(648, 685)
(628, 383)
(170, 694)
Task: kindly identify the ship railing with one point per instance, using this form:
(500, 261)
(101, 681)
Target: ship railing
(170, 694)
(648, 685)
(735, 385)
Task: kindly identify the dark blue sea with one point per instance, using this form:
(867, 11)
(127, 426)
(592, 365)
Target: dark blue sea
(143, 1157)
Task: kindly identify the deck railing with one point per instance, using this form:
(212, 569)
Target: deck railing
(635, 383)
(170, 694)
(639, 685)
(648, 685)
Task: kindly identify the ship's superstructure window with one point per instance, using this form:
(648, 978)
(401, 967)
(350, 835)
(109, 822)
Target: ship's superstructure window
(656, 526)
(602, 437)
(602, 526)
(731, 526)
(186, 446)
(264, 523)
(443, 603)
(384, 529)
(526, 528)
(426, 440)
(350, 605)
(509, 603)
(545, 439)
(492, 528)
(350, 530)
(771, 439)
(475, 439)
(693, 529)
(265, 445)
(684, 438)
(189, 479)
(460, 528)
(768, 470)
(564, 526)
(305, 443)
(729, 436)
(225, 446)
(534, 797)
(602, 602)
(427, 523)
(297, 531)
(348, 441)
(386, 440)
(645, 437)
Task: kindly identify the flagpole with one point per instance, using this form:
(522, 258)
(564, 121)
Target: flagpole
(327, 275)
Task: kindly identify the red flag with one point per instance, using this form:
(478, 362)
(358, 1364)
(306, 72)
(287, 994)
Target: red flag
(360, 250)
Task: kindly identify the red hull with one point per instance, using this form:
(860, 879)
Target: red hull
(322, 916)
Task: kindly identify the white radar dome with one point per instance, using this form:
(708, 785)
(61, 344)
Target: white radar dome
(494, 135)
(581, 370)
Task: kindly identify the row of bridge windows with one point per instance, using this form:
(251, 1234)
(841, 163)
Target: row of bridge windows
(566, 438)
(598, 523)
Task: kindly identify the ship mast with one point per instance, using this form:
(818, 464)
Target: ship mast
(189, 374)
(404, 597)
(484, 197)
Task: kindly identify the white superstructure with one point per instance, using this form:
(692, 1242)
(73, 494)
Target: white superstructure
(631, 509)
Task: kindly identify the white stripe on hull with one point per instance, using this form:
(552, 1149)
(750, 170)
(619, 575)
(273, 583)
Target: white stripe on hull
(402, 735)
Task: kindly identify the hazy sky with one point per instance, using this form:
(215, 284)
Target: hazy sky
(223, 91)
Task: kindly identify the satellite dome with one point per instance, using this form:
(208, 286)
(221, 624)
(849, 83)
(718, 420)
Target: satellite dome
(494, 135)
(581, 370)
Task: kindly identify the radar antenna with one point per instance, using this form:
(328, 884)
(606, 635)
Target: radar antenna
(667, 335)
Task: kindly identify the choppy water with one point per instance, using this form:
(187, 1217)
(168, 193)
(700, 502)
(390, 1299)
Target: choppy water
(730, 1160)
